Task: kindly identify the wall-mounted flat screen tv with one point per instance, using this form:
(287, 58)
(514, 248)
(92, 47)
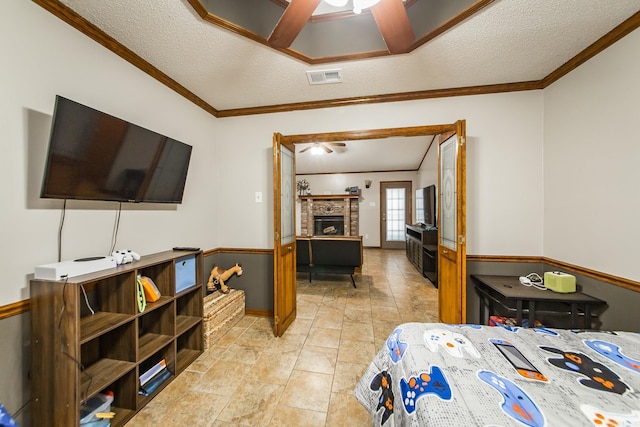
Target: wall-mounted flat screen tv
(95, 156)
(426, 206)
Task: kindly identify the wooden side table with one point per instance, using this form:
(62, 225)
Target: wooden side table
(508, 293)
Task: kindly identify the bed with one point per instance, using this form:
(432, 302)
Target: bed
(435, 374)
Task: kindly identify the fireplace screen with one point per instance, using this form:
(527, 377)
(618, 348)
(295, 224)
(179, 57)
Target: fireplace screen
(328, 226)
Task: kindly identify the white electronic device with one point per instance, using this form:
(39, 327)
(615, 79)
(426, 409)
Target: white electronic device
(60, 270)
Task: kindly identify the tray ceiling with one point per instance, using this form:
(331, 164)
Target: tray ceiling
(506, 42)
(230, 70)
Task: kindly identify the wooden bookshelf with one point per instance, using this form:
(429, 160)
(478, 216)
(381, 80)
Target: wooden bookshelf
(77, 353)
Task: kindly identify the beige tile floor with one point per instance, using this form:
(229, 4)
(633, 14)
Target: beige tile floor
(306, 377)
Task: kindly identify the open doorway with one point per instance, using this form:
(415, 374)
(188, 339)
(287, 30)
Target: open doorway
(456, 280)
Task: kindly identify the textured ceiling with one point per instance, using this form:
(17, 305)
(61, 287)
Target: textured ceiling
(377, 155)
(508, 41)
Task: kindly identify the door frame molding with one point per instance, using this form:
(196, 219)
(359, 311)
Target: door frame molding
(284, 254)
(357, 135)
(409, 201)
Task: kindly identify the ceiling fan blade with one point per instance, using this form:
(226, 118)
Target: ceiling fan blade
(291, 22)
(327, 149)
(306, 149)
(336, 144)
(393, 23)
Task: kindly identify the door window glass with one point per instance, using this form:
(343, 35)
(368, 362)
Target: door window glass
(448, 193)
(395, 214)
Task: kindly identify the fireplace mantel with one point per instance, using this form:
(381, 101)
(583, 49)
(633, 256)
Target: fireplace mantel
(345, 205)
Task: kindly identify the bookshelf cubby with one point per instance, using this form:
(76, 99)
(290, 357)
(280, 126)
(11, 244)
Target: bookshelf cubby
(88, 337)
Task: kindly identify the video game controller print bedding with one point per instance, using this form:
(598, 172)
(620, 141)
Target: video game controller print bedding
(435, 374)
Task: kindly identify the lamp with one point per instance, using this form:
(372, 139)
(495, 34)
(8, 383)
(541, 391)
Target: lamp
(316, 150)
(336, 3)
(358, 5)
(367, 183)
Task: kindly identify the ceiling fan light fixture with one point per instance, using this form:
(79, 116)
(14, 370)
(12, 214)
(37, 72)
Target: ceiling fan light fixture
(336, 3)
(359, 5)
(319, 148)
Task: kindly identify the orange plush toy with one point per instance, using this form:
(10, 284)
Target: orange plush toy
(219, 275)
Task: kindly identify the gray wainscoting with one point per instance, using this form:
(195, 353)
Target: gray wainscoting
(15, 339)
(620, 313)
(256, 280)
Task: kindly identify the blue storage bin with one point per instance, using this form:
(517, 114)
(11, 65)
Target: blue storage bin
(185, 272)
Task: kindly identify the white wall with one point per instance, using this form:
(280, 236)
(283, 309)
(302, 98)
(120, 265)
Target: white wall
(591, 155)
(41, 57)
(504, 164)
(428, 173)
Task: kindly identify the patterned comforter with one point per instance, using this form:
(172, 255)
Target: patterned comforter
(434, 374)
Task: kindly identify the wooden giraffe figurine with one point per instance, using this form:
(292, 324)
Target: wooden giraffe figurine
(219, 275)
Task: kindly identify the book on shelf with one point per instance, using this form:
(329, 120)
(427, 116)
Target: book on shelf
(154, 370)
(151, 385)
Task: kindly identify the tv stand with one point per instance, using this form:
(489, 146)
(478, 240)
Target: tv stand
(422, 250)
(100, 342)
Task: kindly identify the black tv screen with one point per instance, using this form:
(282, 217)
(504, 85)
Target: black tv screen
(95, 156)
(420, 206)
(430, 206)
(426, 206)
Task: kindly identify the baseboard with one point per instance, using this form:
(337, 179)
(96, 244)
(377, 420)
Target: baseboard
(261, 313)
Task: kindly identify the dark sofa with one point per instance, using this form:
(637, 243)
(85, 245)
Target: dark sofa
(333, 255)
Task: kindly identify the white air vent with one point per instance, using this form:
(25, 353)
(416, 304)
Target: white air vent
(323, 77)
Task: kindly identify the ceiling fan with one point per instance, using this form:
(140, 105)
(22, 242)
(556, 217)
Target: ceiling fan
(390, 16)
(318, 147)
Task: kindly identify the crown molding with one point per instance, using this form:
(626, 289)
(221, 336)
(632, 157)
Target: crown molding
(378, 99)
(78, 22)
(72, 18)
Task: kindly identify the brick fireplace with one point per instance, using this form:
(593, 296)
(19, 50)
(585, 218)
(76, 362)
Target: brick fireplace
(333, 215)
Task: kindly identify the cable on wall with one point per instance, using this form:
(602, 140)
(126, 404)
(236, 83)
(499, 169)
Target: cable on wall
(16, 414)
(63, 341)
(86, 300)
(116, 225)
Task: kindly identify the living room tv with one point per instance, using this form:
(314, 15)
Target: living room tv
(96, 156)
(426, 206)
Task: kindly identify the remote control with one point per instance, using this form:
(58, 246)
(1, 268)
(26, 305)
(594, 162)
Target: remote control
(185, 248)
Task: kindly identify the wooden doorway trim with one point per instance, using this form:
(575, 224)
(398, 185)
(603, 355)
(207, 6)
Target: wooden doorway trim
(452, 226)
(284, 235)
(408, 185)
(286, 266)
(356, 135)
